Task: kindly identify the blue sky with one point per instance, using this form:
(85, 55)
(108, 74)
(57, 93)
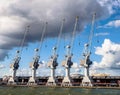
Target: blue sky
(106, 39)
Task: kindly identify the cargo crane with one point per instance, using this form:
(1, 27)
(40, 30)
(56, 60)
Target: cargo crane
(35, 63)
(67, 63)
(52, 64)
(86, 62)
(15, 64)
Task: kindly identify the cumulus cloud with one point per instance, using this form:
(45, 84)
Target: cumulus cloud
(76, 68)
(15, 15)
(23, 72)
(75, 65)
(60, 71)
(115, 23)
(112, 5)
(2, 66)
(110, 53)
(42, 64)
(102, 34)
(3, 54)
(43, 69)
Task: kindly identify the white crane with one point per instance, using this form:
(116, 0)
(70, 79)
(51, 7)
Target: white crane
(67, 63)
(35, 63)
(86, 62)
(15, 64)
(52, 64)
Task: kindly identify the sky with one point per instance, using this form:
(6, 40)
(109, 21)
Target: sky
(15, 15)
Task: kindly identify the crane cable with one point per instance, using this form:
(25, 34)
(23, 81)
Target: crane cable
(73, 34)
(42, 36)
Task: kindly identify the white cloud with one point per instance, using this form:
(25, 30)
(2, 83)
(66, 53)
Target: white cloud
(15, 15)
(13, 21)
(110, 53)
(75, 65)
(76, 68)
(2, 66)
(24, 72)
(112, 5)
(42, 64)
(102, 34)
(60, 71)
(115, 23)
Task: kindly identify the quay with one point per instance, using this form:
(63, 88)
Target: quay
(98, 81)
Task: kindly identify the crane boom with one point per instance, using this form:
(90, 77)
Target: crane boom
(24, 38)
(73, 33)
(18, 52)
(70, 46)
(42, 36)
(35, 64)
(60, 33)
(89, 44)
(36, 58)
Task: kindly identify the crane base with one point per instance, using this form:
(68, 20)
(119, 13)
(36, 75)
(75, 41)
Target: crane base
(11, 81)
(86, 82)
(66, 82)
(32, 81)
(51, 81)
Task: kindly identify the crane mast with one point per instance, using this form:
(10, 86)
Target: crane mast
(15, 64)
(86, 62)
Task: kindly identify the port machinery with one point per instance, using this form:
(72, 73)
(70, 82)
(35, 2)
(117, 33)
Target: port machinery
(86, 62)
(67, 63)
(15, 64)
(52, 64)
(35, 63)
